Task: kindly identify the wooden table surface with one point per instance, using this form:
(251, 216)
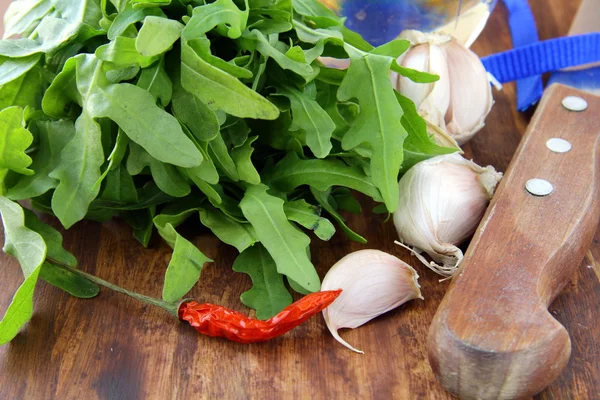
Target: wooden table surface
(113, 347)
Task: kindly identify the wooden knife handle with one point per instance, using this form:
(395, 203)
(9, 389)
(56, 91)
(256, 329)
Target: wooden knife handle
(492, 336)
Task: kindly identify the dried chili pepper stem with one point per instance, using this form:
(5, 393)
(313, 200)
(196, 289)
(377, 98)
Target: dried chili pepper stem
(170, 307)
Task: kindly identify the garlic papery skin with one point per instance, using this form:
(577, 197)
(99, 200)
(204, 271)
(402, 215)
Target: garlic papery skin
(442, 200)
(461, 99)
(373, 282)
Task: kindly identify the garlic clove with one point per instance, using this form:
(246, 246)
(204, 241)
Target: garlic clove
(373, 283)
(470, 92)
(461, 99)
(416, 58)
(435, 106)
(442, 200)
(431, 99)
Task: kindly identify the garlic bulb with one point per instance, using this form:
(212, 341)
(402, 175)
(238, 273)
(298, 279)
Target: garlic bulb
(461, 99)
(373, 283)
(442, 200)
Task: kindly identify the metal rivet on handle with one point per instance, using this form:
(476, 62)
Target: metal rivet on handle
(558, 145)
(574, 103)
(539, 187)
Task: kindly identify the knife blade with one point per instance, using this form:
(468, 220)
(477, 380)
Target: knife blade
(492, 336)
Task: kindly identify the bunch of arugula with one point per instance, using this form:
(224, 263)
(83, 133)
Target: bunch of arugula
(159, 110)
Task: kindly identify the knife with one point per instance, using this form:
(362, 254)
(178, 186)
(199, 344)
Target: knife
(492, 336)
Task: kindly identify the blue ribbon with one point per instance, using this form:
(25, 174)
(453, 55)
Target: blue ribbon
(524, 32)
(546, 56)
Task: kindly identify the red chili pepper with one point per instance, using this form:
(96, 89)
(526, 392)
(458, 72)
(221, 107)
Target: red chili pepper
(219, 321)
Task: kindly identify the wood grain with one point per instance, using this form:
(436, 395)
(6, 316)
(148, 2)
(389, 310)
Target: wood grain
(492, 336)
(112, 347)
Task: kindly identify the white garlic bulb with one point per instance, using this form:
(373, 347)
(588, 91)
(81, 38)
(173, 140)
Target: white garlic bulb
(442, 200)
(461, 99)
(373, 283)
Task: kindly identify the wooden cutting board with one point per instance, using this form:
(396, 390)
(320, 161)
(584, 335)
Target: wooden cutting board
(112, 347)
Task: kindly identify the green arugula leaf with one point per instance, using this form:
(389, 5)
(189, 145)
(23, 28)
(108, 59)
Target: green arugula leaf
(296, 287)
(119, 186)
(309, 35)
(201, 47)
(130, 16)
(22, 17)
(158, 132)
(29, 249)
(53, 136)
(268, 295)
(175, 213)
(120, 5)
(85, 13)
(309, 216)
(52, 238)
(313, 8)
(142, 223)
(292, 172)
(310, 118)
(186, 262)
(207, 170)
(184, 269)
(144, 234)
(11, 69)
(378, 123)
(413, 74)
(82, 157)
(156, 81)
(14, 140)
(69, 282)
(52, 33)
(219, 154)
(25, 91)
(150, 3)
(346, 201)
(63, 91)
(122, 51)
(220, 90)
(221, 14)
(149, 196)
(116, 156)
(355, 40)
(121, 73)
(75, 285)
(166, 176)
(282, 240)
(235, 132)
(196, 115)
(392, 49)
(228, 205)
(262, 45)
(229, 231)
(418, 146)
(78, 172)
(241, 156)
(324, 199)
(157, 36)
(270, 26)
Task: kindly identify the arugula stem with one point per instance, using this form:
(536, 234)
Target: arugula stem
(170, 307)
